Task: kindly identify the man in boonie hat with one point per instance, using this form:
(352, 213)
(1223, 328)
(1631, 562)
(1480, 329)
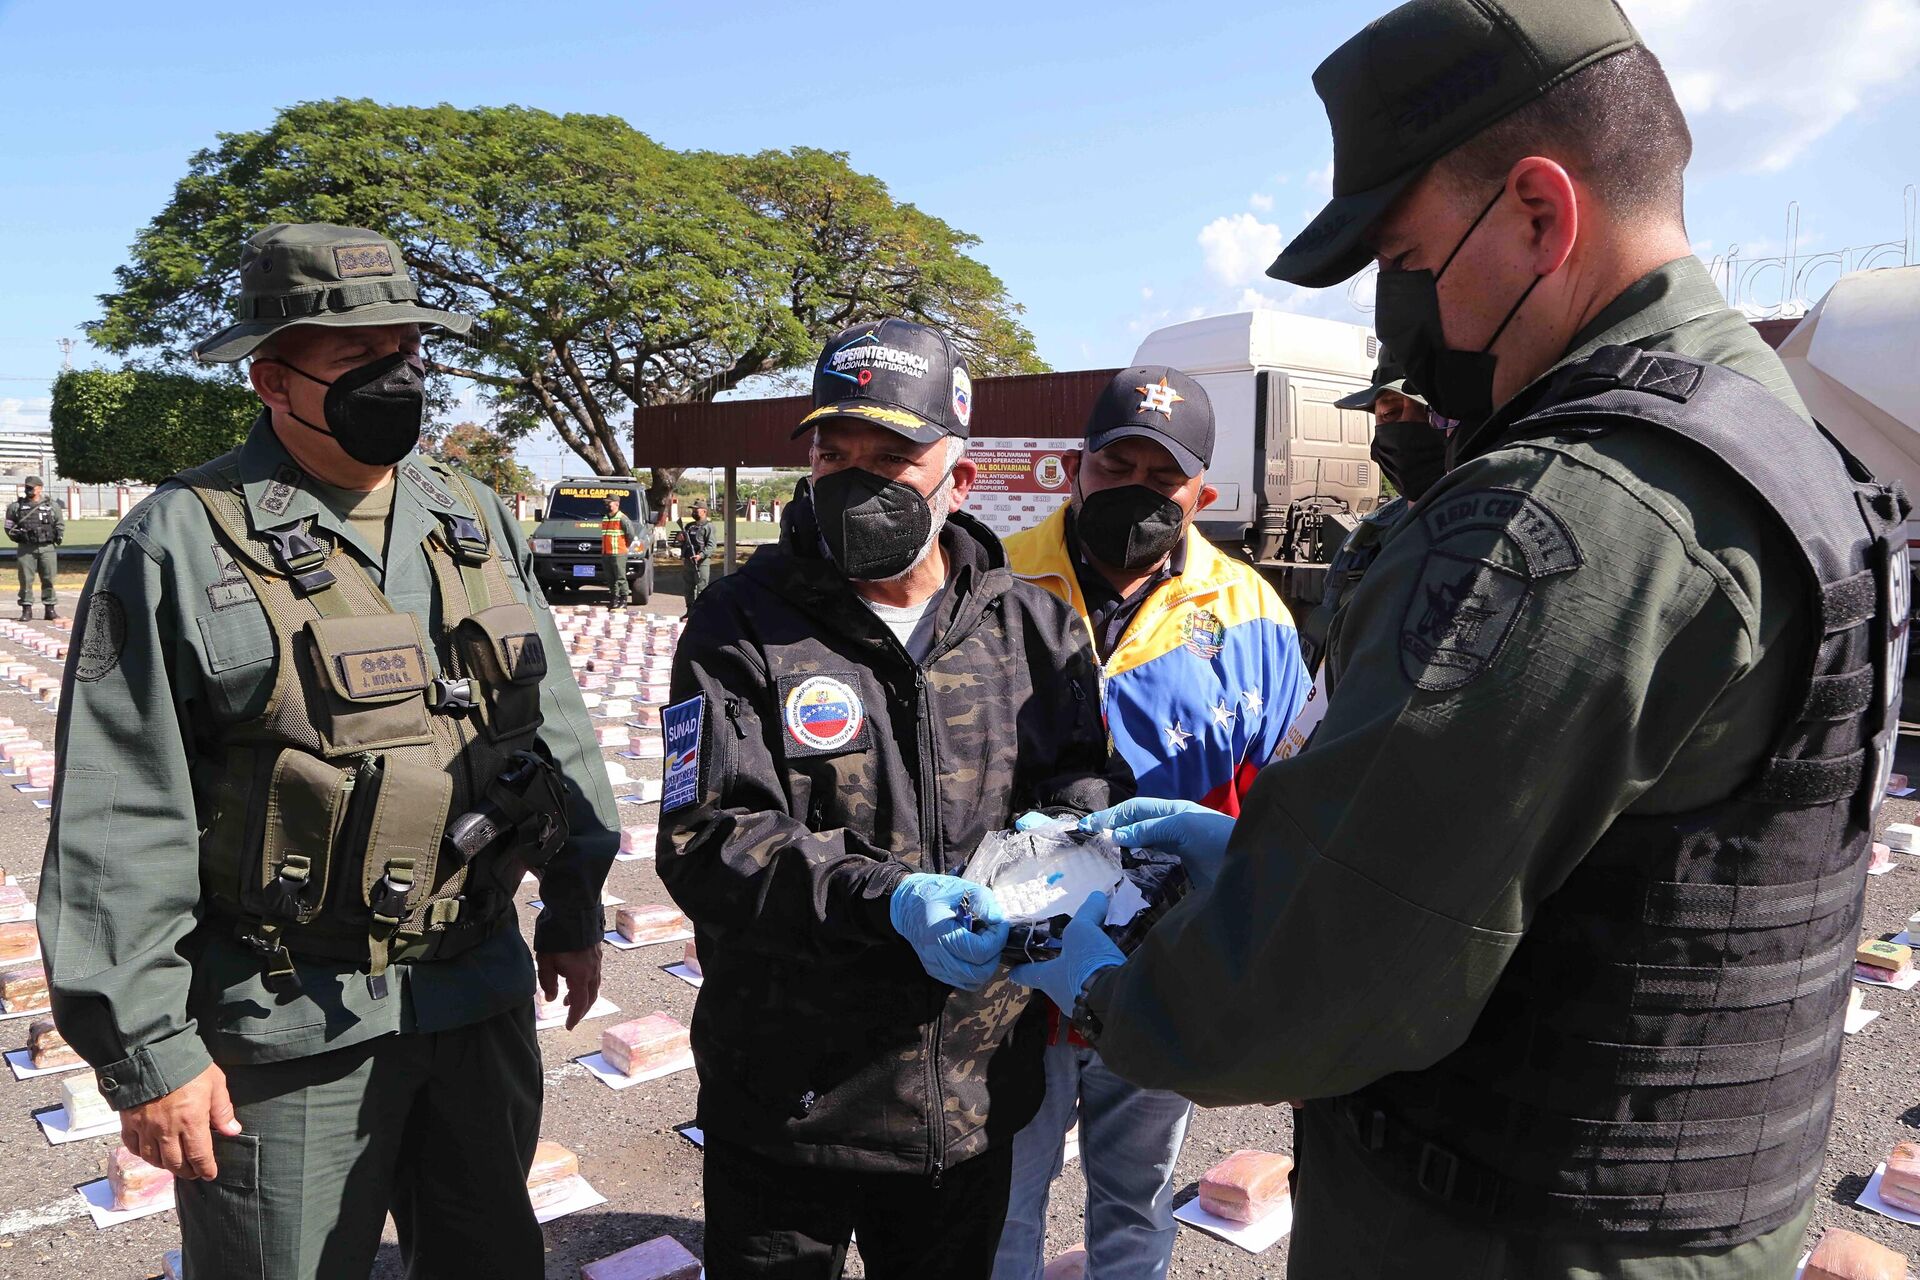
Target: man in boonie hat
(315, 730)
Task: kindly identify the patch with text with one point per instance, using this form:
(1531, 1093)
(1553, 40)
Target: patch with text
(373, 673)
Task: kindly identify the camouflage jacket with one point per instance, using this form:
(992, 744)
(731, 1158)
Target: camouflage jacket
(831, 767)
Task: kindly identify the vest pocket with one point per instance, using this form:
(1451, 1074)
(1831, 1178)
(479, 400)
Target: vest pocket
(367, 679)
(504, 652)
(306, 802)
(402, 849)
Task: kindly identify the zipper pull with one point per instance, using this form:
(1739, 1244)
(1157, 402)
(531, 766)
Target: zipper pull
(733, 718)
(939, 1168)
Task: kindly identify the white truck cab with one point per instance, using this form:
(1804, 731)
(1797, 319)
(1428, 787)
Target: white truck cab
(1294, 472)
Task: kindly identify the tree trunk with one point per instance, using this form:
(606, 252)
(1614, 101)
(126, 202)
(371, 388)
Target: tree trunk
(660, 487)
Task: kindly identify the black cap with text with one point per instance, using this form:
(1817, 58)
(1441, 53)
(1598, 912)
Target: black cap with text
(894, 374)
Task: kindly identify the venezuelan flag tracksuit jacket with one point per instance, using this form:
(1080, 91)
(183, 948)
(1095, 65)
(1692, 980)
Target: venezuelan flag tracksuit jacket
(1204, 683)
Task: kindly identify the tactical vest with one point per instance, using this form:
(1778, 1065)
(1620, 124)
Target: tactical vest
(36, 522)
(1658, 1058)
(1350, 563)
(612, 541)
(370, 812)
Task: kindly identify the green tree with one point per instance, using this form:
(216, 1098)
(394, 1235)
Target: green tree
(138, 424)
(605, 271)
(486, 455)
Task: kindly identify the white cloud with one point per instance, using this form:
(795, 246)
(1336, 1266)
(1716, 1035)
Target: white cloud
(1260, 201)
(27, 413)
(1239, 248)
(1762, 81)
(1319, 181)
(1146, 293)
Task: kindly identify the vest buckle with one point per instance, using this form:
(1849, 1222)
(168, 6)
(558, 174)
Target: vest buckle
(1437, 1171)
(301, 556)
(450, 697)
(467, 538)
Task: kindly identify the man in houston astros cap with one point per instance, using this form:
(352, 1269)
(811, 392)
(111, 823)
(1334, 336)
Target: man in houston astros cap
(871, 698)
(1608, 721)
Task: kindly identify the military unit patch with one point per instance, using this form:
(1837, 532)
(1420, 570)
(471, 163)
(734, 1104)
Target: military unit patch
(823, 715)
(680, 730)
(354, 260)
(1204, 634)
(1464, 607)
(279, 492)
(102, 636)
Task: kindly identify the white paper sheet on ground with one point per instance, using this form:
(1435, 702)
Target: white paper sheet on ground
(691, 1132)
(53, 1123)
(1903, 983)
(1071, 1150)
(28, 1013)
(615, 940)
(1902, 793)
(1801, 1269)
(1904, 938)
(600, 1069)
(647, 852)
(580, 1195)
(1859, 1018)
(1870, 1199)
(32, 911)
(99, 1198)
(23, 1069)
(1880, 871)
(606, 900)
(601, 1008)
(1251, 1236)
(685, 975)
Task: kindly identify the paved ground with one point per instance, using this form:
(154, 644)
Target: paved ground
(630, 1151)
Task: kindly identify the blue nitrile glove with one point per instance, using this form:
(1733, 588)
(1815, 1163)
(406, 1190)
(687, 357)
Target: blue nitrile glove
(1032, 818)
(1085, 950)
(926, 910)
(1196, 834)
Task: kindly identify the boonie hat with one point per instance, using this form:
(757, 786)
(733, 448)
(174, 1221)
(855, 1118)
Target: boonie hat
(895, 374)
(315, 273)
(1417, 83)
(1158, 403)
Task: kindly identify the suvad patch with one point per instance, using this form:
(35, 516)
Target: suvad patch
(822, 714)
(1464, 606)
(680, 778)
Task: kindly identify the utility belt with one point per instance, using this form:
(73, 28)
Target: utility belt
(1405, 1157)
(349, 861)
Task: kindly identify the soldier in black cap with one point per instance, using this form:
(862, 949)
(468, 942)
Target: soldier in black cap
(1609, 720)
(866, 702)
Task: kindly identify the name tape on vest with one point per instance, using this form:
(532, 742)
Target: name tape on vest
(371, 673)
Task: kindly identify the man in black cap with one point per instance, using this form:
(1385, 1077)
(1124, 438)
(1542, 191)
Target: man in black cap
(37, 528)
(1609, 719)
(1410, 449)
(865, 702)
(1202, 677)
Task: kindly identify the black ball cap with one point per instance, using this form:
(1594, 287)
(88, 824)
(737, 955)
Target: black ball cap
(894, 374)
(1418, 82)
(1157, 403)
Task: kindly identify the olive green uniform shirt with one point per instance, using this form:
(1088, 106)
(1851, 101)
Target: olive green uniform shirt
(145, 994)
(1378, 883)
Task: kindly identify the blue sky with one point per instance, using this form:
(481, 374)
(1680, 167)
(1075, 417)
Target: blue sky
(1124, 164)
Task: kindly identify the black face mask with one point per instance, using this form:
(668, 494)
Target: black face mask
(374, 410)
(1130, 528)
(1406, 318)
(874, 528)
(1411, 454)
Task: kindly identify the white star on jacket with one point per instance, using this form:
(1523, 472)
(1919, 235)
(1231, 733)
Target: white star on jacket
(1253, 700)
(1177, 738)
(1222, 714)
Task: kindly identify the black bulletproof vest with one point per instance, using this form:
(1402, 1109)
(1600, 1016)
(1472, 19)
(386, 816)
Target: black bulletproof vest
(1658, 1058)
